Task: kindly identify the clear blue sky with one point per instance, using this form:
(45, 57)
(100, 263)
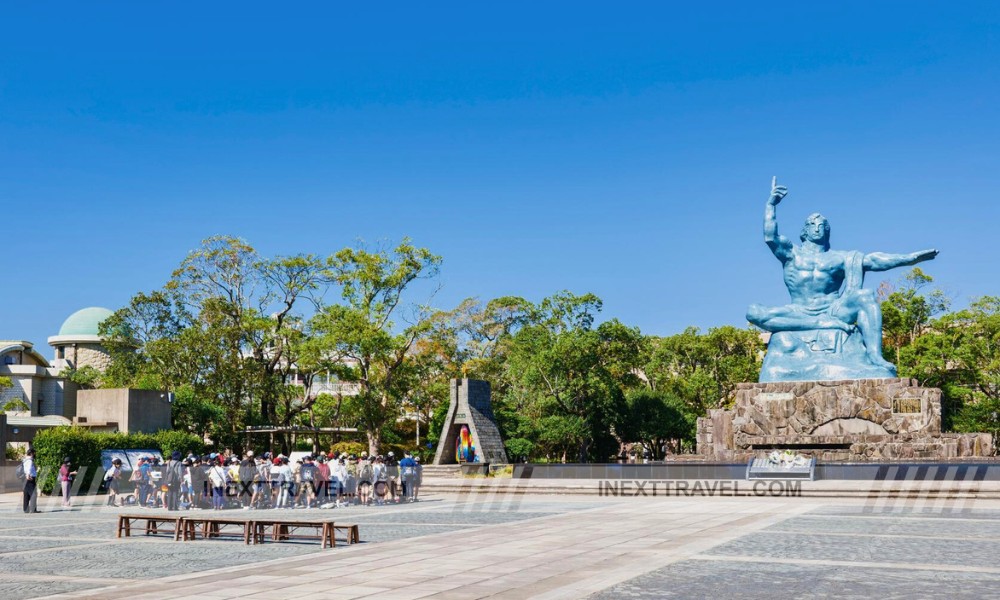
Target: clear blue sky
(624, 149)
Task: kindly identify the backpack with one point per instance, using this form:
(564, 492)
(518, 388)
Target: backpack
(20, 472)
(366, 472)
(176, 474)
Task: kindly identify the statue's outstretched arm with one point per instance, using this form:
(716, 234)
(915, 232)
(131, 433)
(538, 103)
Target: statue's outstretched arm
(880, 261)
(779, 244)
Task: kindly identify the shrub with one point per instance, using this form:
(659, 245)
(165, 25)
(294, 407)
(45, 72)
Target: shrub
(83, 447)
(355, 448)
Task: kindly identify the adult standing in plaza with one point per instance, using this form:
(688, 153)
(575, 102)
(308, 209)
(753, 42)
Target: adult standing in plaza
(322, 480)
(174, 476)
(419, 479)
(65, 480)
(30, 482)
(408, 475)
(307, 477)
(248, 473)
(392, 475)
(111, 478)
(217, 477)
(141, 479)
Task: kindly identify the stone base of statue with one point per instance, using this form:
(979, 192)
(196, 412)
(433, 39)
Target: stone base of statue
(855, 420)
(819, 355)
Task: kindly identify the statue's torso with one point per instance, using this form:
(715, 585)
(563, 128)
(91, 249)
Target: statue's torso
(814, 278)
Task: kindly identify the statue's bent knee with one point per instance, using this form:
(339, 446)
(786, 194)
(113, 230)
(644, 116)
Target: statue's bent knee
(756, 314)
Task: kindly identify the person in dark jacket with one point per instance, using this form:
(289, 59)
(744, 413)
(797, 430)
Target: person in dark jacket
(173, 475)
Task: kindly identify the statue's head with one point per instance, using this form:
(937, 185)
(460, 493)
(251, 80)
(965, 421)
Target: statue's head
(816, 230)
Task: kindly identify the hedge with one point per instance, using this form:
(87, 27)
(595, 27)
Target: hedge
(356, 448)
(83, 447)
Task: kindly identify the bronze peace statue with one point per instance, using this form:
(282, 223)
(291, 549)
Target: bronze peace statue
(832, 329)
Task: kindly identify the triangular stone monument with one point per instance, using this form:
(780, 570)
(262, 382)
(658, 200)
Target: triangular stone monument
(470, 407)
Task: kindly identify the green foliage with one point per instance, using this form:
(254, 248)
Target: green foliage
(84, 447)
(702, 370)
(519, 449)
(14, 404)
(657, 419)
(959, 352)
(906, 313)
(355, 448)
(363, 329)
(86, 377)
(567, 379)
(436, 425)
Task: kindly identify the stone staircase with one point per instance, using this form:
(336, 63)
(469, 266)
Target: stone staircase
(442, 472)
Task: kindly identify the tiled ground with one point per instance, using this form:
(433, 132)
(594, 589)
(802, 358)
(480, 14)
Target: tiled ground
(841, 553)
(530, 546)
(60, 551)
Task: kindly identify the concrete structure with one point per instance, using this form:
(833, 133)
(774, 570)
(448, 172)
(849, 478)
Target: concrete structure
(34, 382)
(470, 406)
(135, 411)
(40, 396)
(869, 419)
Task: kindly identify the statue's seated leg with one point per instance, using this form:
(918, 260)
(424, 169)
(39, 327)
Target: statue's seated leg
(862, 307)
(792, 318)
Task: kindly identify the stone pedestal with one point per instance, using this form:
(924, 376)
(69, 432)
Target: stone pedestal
(867, 419)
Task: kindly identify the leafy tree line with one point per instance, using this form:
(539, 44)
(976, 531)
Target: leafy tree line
(231, 330)
(956, 351)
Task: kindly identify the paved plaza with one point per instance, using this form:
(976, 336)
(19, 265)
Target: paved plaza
(538, 546)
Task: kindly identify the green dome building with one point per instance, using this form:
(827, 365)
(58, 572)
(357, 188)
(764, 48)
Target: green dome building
(78, 343)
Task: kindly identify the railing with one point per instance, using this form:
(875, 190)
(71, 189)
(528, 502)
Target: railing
(337, 387)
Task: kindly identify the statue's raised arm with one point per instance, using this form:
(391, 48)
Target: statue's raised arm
(880, 261)
(779, 245)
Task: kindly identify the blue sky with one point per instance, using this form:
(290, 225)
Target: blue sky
(620, 149)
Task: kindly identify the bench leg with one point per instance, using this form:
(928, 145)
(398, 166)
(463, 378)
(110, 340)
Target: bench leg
(329, 539)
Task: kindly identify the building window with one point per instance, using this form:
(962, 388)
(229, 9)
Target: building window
(61, 352)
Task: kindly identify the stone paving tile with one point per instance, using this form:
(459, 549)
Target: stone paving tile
(895, 508)
(82, 544)
(446, 517)
(14, 544)
(73, 529)
(14, 590)
(617, 542)
(145, 558)
(766, 581)
(972, 528)
(924, 550)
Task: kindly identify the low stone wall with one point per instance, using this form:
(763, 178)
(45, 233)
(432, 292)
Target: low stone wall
(869, 419)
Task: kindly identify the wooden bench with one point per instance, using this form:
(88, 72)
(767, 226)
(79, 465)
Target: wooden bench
(281, 530)
(154, 524)
(353, 535)
(215, 527)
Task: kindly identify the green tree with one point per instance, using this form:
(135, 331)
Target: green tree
(658, 420)
(364, 332)
(224, 326)
(13, 404)
(907, 312)
(702, 370)
(959, 352)
(567, 378)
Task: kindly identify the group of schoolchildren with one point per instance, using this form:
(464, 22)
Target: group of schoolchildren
(219, 481)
